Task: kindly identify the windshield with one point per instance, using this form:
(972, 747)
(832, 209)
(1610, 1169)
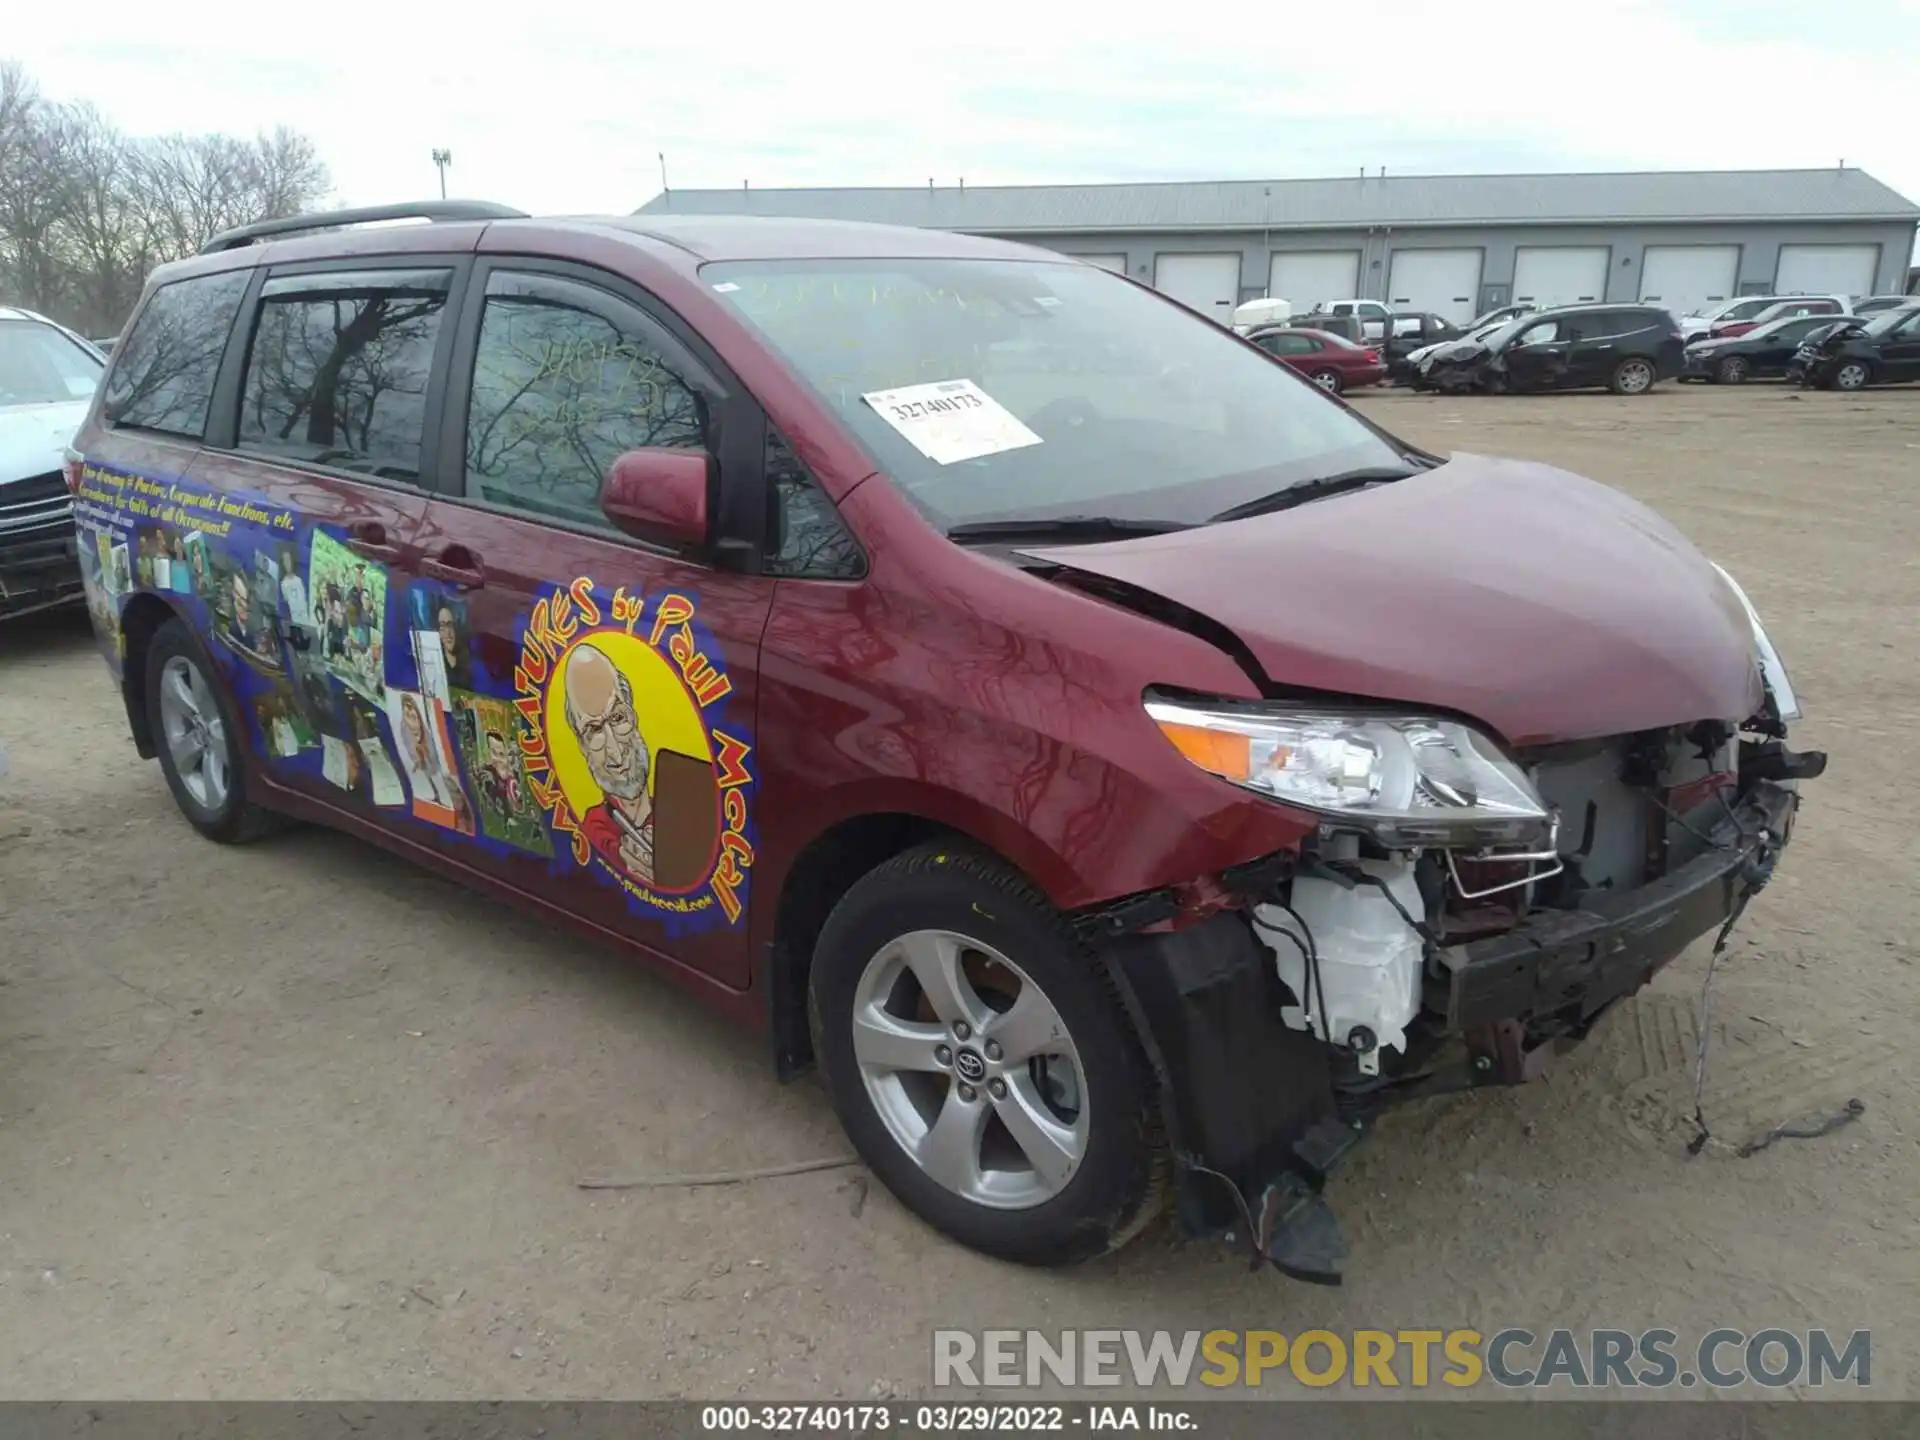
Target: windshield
(1004, 389)
(1890, 320)
(40, 365)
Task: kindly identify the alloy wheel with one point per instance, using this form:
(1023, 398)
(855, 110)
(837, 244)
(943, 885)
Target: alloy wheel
(195, 735)
(1733, 370)
(1328, 381)
(1635, 376)
(970, 1067)
(1850, 376)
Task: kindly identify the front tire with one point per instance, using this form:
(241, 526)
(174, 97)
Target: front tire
(1733, 370)
(197, 736)
(980, 1061)
(1852, 375)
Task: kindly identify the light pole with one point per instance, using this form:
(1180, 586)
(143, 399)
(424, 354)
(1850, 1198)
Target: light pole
(442, 159)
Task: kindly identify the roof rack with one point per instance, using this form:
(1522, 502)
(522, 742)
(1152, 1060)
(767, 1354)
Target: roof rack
(332, 219)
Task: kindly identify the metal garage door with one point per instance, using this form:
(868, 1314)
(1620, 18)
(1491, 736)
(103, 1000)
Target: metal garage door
(1115, 263)
(1687, 278)
(1826, 269)
(1207, 283)
(1548, 275)
(1306, 278)
(1443, 282)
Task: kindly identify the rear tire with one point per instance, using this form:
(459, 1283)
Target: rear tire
(1632, 376)
(1328, 380)
(1047, 1160)
(197, 736)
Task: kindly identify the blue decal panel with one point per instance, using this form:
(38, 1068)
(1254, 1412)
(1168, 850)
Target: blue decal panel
(610, 751)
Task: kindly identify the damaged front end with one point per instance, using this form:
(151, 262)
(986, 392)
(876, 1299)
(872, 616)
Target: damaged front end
(1462, 366)
(1460, 914)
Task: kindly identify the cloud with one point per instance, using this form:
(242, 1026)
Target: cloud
(564, 107)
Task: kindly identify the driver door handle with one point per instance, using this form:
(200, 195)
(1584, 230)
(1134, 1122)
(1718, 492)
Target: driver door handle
(368, 540)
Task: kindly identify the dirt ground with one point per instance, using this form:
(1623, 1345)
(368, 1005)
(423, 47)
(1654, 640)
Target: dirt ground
(295, 1120)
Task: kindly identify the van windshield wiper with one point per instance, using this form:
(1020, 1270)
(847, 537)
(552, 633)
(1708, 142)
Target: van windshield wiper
(1313, 490)
(1063, 527)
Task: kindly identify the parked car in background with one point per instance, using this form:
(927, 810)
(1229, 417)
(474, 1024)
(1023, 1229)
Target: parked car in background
(1762, 353)
(1412, 333)
(1883, 349)
(47, 377)
(1742, 307)
(1375, 317)
(1329, 361)
(1627, 348)
(1789, 308)
(1874, 304)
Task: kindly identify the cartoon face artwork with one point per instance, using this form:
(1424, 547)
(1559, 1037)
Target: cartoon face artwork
(488, 731)
(626, 755)
(351, 616)
(598, 701)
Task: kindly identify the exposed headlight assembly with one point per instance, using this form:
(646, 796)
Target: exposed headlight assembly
(1409, 780)
(1771, 664)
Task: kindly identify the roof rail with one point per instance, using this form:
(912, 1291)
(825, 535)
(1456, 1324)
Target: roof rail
(330, 219)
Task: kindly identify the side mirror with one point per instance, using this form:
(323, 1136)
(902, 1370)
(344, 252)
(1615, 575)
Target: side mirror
(659, 495)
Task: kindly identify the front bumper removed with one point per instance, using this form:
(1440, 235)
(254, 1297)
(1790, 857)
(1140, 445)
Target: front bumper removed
(1257, 1117)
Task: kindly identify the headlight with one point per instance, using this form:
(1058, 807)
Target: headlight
(1771, 664)
(1410, 780)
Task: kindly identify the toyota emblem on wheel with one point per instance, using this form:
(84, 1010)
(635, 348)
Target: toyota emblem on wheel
(969, 1066)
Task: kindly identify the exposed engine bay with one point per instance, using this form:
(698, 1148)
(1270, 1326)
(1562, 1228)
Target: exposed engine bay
(1363, 936)
(1364, 973)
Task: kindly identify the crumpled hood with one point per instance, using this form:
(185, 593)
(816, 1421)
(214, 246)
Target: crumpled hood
(34, 438)
(1538, 602)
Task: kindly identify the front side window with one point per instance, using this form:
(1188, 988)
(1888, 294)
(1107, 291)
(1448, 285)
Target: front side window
(1544, 333)
(1083, 394)
(42, 365)
(337, 373)
(163, 372)
(566, 380)
(809, 541)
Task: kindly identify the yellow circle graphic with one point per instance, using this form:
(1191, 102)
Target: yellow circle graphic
(664, 714)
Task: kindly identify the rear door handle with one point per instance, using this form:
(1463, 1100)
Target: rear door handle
(368, 540)
(456, 565)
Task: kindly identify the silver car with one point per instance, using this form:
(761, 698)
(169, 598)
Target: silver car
(47, 378)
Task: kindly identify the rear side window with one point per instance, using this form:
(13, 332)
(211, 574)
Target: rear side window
(1288, 344)
(566, 380)
(337, 374)
(163, 372)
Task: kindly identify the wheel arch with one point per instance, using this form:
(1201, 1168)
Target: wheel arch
(140, 620)
(835, 856)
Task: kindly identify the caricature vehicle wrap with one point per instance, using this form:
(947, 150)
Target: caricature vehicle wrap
(47, 376)
(939, 653)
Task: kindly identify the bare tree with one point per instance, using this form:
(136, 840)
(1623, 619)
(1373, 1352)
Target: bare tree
(87, 211)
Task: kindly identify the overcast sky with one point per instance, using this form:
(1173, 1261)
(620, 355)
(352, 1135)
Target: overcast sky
(564, 106)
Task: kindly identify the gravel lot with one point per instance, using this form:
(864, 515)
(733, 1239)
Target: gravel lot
(294, 1120)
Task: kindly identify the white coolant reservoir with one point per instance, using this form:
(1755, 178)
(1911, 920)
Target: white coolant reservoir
(1369, 957)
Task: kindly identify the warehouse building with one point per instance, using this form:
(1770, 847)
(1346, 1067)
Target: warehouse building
(1455, 245)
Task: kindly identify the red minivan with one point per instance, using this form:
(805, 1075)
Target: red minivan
(1121, 767)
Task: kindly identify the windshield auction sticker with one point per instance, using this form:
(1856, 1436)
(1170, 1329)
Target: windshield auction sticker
(951, 420)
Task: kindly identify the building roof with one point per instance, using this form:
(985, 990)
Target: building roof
(1410, 200)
